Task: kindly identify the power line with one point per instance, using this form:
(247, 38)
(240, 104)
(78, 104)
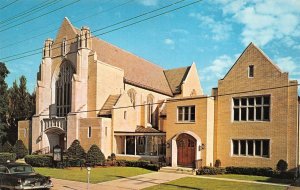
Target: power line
(180, 99)
(8, 4)
(126, 20)
(38, 35)
(175, 9)
(38, 8)
(39, 16)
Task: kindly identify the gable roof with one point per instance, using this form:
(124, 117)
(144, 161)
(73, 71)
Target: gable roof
(175, 78)
(137, 71)
(108, 105)
(252, 45)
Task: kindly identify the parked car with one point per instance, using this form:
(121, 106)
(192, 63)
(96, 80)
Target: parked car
(22, 176)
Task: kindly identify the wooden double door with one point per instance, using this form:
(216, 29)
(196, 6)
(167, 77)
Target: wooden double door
(186, 150)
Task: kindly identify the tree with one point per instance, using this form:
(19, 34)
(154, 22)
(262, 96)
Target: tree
(20, 107)
(20, 149)
(94, 155)
(75, 151)
(7, 147)
(3, 102)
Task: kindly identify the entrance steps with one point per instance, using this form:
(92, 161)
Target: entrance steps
(179, 170)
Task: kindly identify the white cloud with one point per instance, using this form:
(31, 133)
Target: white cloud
(217, 68)
(148, 2)
(263, 20)
(169, 41)
(219, 30)
(287, 64)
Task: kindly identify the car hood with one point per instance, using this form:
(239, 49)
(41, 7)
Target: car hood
(29, 175)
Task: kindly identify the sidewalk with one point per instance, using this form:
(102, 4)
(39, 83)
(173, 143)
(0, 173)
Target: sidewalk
(143, 181)
(133, 183)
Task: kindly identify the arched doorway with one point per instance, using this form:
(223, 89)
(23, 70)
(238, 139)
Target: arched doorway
(186, 150)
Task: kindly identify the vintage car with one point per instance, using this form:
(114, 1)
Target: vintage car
(22, 176)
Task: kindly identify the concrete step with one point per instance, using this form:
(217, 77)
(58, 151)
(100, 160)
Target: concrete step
(180, 170)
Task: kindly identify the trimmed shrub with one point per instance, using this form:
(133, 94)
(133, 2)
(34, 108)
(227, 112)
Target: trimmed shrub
(284, 175)
(4, 157)
(282, 165)
(95, 156)
(210, 171)
(75, 151)
(20, 149)
(7, 147)
(140, 163)
(113, 156)
(153, 167)
(39, 160)
(218, 163)
(260, 171)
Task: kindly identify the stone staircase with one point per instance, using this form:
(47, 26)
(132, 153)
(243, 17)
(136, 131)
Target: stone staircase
(179, 170)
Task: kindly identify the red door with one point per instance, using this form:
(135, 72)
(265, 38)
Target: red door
(186, 148)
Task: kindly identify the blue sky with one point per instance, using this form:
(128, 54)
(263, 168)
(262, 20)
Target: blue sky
(210, 33)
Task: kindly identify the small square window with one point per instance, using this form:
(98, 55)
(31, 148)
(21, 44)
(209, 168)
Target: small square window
(251, 71)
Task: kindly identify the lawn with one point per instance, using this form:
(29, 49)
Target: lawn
(254, 178)
(211, 184)
(97, 174)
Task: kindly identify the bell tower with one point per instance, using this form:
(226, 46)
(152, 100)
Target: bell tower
(47, 50)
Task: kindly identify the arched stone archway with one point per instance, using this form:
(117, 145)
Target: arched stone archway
(174, 147)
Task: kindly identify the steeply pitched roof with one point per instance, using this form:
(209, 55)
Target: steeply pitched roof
(108, 105)
(175, 77)
(137, 71)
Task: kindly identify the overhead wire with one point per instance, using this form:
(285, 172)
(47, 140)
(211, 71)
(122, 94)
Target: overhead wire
(3, 7)
(39, 16)
(29, 12)
(172, 100)
(125, 26)
(56, 28)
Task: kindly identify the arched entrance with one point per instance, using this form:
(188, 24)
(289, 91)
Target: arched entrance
(56, 137)
(186, 150)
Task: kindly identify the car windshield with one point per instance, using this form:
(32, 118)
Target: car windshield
(21, 169)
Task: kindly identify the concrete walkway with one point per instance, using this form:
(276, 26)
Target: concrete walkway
(142, 181)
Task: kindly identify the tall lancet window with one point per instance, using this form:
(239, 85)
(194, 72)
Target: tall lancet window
(63, 89)
(150, 100)
(64, 47)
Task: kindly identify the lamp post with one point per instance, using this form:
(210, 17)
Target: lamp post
(88, 177)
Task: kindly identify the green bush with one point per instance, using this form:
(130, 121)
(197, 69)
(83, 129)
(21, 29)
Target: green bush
(7, 147)
(75, 151)
(218, 163)
(284, 175)
(113, 156)
(282, 166)
(4, 157)
(260, 171)
(20, 149)
(39, 160)
(210, 171)
(153, 167)
(95, 156)
(139, 163)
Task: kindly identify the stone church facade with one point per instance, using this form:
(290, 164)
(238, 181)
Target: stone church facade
(90, 90)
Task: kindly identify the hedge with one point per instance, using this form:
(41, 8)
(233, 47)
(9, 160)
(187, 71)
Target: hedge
(4, 157)
(211, 171)
(259, 171)
(39, 160)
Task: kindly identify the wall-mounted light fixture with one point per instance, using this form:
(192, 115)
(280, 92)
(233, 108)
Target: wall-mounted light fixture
(201, 147)
(168, 145)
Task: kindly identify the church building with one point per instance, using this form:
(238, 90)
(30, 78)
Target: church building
(93, 91)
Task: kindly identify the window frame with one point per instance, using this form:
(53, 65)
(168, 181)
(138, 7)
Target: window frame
(251, 71)
(254, 142)
(255, 107)
(89, 132)
(189, 107)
